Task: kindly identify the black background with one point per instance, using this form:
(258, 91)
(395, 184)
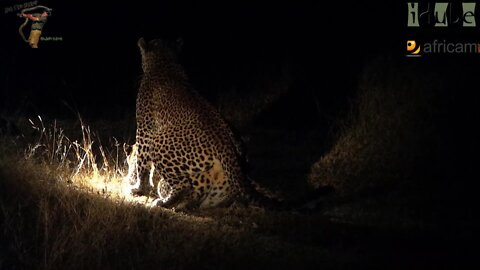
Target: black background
(96, 67)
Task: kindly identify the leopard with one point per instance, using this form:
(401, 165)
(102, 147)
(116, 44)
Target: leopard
(186, 155)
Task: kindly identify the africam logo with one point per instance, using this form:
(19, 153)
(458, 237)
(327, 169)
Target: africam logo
(412, 49)
(415, 49)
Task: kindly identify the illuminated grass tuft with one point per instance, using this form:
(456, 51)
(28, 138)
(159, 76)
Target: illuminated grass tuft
(85, 164)
(62, 207)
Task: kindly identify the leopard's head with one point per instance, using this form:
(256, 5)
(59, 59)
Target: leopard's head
(159, 53)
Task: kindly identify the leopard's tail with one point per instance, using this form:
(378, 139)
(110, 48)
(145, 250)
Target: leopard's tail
(260, 196)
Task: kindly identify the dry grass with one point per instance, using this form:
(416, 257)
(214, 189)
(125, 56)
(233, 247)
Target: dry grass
(399, 159)
(387, 135)
(84, 163)
(49, 224)
(62, 207)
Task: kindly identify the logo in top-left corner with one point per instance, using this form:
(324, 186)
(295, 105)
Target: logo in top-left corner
(37, 15)
(413, 49)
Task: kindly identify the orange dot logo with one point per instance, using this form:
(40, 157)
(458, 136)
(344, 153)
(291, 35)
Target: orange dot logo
(413, 49)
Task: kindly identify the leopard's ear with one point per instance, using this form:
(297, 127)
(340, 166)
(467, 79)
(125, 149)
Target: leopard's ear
(142, 45)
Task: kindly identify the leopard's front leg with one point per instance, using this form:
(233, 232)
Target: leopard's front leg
(174, 192)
